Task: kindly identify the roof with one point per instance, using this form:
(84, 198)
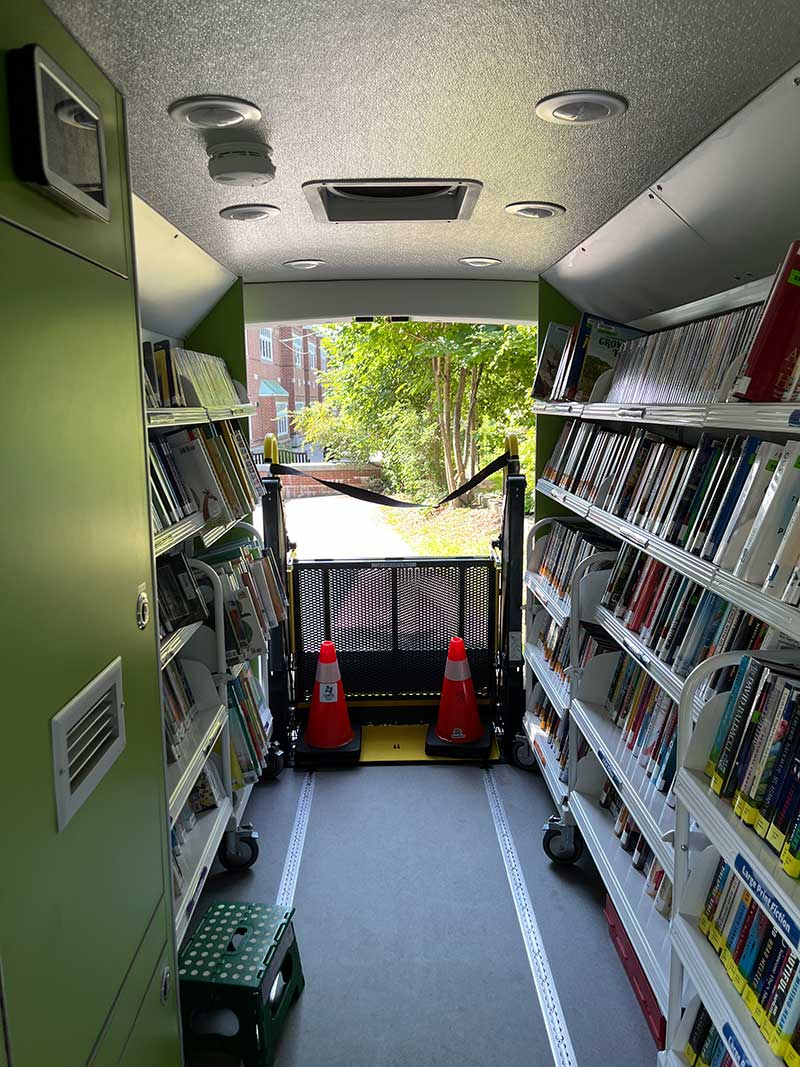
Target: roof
(268, 387)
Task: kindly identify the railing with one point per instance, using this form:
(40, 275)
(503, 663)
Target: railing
(285, 455)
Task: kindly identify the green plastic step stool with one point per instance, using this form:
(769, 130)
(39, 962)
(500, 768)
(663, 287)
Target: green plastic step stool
(242, 959)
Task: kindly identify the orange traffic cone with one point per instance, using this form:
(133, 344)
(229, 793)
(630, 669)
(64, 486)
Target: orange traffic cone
(458, 721)
(328, 720)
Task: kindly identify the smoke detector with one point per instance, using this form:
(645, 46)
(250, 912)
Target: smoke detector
(241, 163)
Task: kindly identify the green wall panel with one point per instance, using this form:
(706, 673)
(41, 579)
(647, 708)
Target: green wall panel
(221, 332)
(553, 307)
(107, 243)
(154, 1042)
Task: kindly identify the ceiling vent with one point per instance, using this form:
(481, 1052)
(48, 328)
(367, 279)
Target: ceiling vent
(393, 199)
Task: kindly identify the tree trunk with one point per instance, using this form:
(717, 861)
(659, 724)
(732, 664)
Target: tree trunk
(470, 452)
(441, 378)
(458, 444)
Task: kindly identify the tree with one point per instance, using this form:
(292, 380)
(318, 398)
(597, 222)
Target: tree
(432, 398)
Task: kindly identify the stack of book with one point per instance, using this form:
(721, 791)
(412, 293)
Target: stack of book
(176, 377)
(556, 728)
(647, 718)
(732, 501)
(179, 707)
(569, 543)
(207, 469)
(249, 742)
(762, 967)
(574, 358)
(679, 621)
(754, 761)
(631, 839)
(180, 601)
(704, 1046)
(554, 641)
(181, 828)
(688, 364)
(208, 793)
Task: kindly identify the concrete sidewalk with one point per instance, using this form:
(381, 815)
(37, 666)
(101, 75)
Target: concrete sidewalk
(337, 527)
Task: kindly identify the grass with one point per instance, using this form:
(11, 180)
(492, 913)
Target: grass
(448, 531)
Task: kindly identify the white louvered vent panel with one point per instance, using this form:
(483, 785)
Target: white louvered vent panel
(88, 736)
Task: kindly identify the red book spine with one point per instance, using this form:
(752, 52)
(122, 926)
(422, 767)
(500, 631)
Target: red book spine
(775, 353)
(644, 598)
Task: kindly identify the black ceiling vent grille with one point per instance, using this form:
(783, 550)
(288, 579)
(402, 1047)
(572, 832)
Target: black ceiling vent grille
(393, 199)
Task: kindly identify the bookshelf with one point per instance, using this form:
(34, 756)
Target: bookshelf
(690, 830)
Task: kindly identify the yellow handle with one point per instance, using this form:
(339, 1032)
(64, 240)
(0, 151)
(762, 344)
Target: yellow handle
(512, 445)
(270, 448)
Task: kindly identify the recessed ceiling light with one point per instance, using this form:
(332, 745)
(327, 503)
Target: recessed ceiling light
(535, 209)
(249, 212)
(213, 112)
(241, 163)
(581, 107)
(304, 264)
(479, 261)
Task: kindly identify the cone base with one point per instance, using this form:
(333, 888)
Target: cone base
(471, 750)
(306, 755)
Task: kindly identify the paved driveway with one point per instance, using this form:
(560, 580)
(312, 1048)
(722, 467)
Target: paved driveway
(337, 527)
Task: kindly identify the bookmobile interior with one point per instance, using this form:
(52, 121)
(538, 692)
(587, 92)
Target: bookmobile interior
(608, 871)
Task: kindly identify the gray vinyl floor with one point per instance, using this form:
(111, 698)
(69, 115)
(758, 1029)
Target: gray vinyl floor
(407, 930)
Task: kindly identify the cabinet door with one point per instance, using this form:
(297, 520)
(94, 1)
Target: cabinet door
(154, 1041)
(74, 905)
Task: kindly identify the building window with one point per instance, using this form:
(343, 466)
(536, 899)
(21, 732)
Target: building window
(297, 345)
(323, 359)
(312, 353)
(265, 343)
(282, 413)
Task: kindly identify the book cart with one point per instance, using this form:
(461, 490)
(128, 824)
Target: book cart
(687, 829)
(218, 834)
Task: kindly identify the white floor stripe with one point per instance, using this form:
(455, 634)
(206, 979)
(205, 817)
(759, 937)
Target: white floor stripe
(294, 852)
(557, 1033)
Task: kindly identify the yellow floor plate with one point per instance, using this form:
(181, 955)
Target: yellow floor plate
(401, 744)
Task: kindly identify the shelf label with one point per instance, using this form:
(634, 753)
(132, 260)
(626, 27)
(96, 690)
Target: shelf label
(736, 1050)
(774, 909)
(607, 767)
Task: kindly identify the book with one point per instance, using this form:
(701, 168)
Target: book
(548, 359)
(592, 351)
(771, 371)
(773, 516)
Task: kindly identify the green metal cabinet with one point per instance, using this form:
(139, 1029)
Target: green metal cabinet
(85, 919)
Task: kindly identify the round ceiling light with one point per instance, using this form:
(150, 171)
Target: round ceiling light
(241, 163)
(581, 107)
(535, 209)
(213, 112)
(304, 264)
(479, 261)
(249, 212)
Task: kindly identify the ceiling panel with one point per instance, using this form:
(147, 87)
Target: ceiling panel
(402, 88)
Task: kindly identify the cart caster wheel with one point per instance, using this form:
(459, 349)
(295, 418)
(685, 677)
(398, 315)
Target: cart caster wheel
(241, 856)
(274, 765)
(522, 755)
(558, 847)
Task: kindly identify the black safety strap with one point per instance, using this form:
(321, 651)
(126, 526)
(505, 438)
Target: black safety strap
(372, 497)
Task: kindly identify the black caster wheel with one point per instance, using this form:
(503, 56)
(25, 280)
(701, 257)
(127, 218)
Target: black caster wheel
(558, 848)
(274, 765)
(522, 755)
(239, 856)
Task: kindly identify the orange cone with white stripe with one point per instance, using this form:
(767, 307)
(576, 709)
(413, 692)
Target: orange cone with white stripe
(328, 720)
(458, 720)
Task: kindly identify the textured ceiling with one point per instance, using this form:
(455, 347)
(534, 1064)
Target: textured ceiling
(403, 88)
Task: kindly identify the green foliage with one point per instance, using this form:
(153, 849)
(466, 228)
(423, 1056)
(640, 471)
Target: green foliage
(393, 389)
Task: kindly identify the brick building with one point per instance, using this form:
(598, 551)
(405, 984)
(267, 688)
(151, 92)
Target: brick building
(282, 366)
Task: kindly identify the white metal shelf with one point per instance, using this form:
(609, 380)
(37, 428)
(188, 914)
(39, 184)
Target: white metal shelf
(728, 1011)
(195, 748)
(240, 799)
(739, 845)
(647, 930)
(707, 575)
(638, 650)
(749, 418)
(556, 693)
(174, 642)
(172, 536)
(197, 857)
(558, 608)
(211, 534)
(648, 807)
(546, 757)
(167, 418)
